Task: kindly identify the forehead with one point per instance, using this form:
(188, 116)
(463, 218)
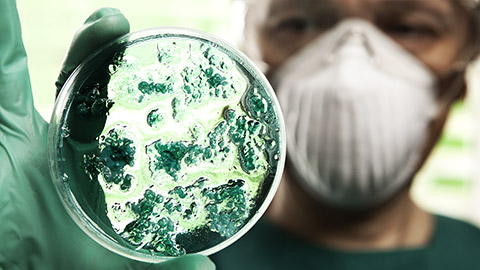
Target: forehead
(358, 7)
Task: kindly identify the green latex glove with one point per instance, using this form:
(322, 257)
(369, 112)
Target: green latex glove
(35, 230)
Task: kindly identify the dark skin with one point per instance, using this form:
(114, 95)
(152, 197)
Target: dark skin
(436, 33)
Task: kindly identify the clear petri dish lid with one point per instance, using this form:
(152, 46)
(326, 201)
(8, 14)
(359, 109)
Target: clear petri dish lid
(166, 142)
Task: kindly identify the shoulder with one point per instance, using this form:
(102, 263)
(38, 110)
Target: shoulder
(453, 231)
(455, 243)
(260, 247)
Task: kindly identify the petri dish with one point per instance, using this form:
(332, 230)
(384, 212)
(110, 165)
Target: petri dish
(166, 142)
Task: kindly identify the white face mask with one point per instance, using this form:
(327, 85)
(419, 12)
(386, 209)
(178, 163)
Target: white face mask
(357, 107)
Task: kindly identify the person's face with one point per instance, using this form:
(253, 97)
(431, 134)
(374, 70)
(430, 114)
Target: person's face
(435, 31)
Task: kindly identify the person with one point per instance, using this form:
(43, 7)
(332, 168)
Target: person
(36, 231)
(365, 87)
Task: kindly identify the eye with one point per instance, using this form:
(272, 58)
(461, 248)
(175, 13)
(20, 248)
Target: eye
(416, 37)
(294, 25)
(409, 30)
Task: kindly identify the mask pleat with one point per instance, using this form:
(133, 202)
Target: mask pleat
(305, 122)
(334, 142)
(378, 139)
(290, 104)
(362, 147)
(348, 167)
(316, 153)
(381, 128)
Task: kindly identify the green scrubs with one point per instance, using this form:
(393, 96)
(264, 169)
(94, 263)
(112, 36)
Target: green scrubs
(455, 245)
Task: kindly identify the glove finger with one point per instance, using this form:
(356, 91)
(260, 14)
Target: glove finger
(18, 117)
(187, 262)
(15, 90)
(101, 27)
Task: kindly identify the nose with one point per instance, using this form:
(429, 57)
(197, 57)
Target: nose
(354, 41)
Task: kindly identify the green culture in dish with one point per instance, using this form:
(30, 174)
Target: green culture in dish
(189, 147)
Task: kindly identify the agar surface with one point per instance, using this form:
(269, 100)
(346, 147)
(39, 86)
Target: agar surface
(188, 143)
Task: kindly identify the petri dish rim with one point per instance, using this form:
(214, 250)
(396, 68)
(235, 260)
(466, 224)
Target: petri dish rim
(65, 99)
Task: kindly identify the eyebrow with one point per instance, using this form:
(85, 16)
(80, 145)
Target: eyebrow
(278, 6)
(446, 20)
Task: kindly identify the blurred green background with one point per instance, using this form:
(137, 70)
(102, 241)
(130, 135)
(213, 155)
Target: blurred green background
(449, 184)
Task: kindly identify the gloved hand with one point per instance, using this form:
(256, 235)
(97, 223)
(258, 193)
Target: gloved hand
(35, 230)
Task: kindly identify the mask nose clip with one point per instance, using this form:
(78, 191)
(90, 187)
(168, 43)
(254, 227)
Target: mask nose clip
(355, 35)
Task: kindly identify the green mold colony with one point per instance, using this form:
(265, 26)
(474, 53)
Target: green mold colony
(116, 152)
(188, 147)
